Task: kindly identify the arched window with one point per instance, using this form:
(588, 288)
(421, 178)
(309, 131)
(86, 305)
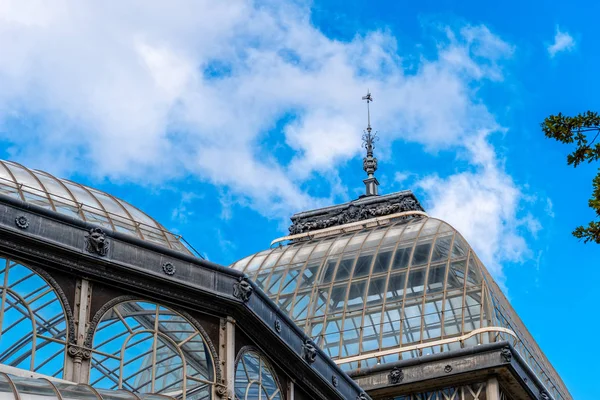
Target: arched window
(148, 348)
(33, 322)
(254, 378)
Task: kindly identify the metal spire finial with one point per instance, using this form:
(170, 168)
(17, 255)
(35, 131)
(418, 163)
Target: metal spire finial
(369, 162)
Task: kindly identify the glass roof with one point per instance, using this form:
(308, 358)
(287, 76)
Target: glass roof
(398, 291)
(13, 387)
(82, 202)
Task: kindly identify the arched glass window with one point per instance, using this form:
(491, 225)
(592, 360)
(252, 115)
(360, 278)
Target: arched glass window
(147, 348)
(254, 378)
(33, 323)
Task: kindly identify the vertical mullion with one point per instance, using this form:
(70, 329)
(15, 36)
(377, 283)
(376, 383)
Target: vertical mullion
(464, 297)
(426, 282)
(408, 270)
(155, 336)
(445, 292)
(4, 290)
(387, 282)
(368, 283)
(345, 310)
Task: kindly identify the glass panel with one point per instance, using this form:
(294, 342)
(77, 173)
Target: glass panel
(338, 297)
(460, 248)
(421, 253)
(441, 249)
(329, 270)
(453, 316)
(374, 238)
(430, 228)
(363, 266)
(435, 279)
(32, 314)
(6, 390)
(356, 295)
(390, 335)
(456, 275)
(33, 389)
(371, 329)
(412, 230)
(345, 267)
(144, 348)
(395, 289)
(356, 242)
(376, 291)
(432, 325)
(382, 261)
(416, 282)
(393, 234)
(254, 378)
(351, 335)
(474, 276)
(402, 257)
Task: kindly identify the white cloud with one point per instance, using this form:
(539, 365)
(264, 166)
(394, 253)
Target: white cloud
(194, 87)
(482, 205)
(562, 42)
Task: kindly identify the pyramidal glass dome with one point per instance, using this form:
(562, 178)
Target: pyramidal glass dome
(82, 202)
(378, 292)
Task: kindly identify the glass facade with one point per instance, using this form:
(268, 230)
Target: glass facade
(391, 292)
(33, 324)
(82, 202)
(144, 347)
(254, 378)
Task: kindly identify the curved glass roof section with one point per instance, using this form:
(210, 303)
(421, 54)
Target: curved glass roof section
(398, 291)
(82, 202)
(13, 387)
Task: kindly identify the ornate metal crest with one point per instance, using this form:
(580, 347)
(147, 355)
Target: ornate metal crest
(309, 352)
(278, 326)
(242, 290)
(221, 390)
(354, 211)
(396, 375)
(22, 222)
(506, 354)
(168, 268)
(362, 396)
(335, 381)
(448, 368)
(544, 395)
(79, 352)
(96, 242)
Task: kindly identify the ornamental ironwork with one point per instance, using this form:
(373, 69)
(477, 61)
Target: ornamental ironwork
(242, 290)
(79, 352)
(396, 376)
(335, 381)
(22, 222)
(168, 268)
(96, 242)
(506, 354)
(354, 211)
(278, 326)
(309, 352)
(448, 369)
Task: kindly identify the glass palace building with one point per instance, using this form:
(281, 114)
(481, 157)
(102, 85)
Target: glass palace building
(370, 299)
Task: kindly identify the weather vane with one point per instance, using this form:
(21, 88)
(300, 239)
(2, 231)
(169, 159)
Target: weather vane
(370, 162)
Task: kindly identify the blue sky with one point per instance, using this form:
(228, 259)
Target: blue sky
(221, 120)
